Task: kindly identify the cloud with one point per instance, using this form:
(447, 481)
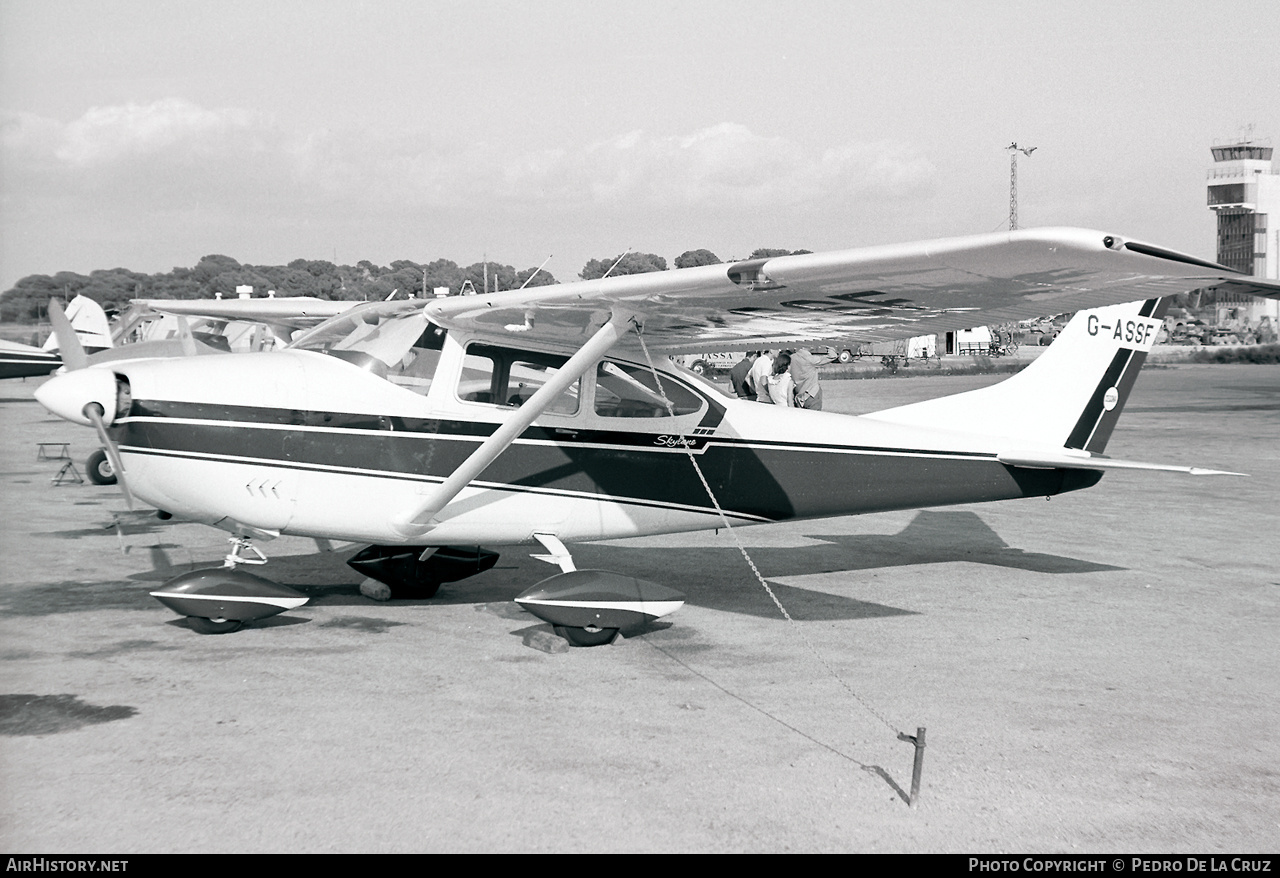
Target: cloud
(169, 153)
(166, 129)
(725, 165)
(173, 153)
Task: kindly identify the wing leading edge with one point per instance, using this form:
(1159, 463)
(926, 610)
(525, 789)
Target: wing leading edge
(294, 312)
(877, 293)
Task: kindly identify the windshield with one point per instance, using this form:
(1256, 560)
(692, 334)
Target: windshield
(384, 330)
(393, 340)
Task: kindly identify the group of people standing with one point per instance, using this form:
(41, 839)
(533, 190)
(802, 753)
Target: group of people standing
(786, 378)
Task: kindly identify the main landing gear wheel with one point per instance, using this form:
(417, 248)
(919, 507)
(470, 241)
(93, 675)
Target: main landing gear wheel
(202, 625)
(98, 467)
(418, 591)
(587, 636)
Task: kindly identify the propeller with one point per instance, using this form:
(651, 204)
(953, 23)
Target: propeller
(69, 347)
(93, 411)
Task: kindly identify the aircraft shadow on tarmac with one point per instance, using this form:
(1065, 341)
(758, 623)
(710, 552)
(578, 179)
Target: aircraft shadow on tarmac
(713, 577)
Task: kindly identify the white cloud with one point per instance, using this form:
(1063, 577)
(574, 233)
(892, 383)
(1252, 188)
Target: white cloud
(169, 153)
(726, 165)
(174, 153)
(167, 129)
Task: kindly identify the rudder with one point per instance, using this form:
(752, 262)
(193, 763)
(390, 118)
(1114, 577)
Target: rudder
(1070, 397)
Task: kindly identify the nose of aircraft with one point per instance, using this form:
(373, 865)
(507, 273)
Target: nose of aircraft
(66, 395)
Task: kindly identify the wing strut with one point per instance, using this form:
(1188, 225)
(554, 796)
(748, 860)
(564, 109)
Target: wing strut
(419, 521)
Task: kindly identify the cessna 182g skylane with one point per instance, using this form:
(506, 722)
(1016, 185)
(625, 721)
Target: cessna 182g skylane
(553, 414)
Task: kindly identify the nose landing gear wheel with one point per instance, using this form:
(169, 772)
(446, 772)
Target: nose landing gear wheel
(98, 468)
(202, 625)
(587, 636)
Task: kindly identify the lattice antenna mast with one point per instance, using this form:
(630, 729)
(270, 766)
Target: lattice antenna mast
(1014, 149)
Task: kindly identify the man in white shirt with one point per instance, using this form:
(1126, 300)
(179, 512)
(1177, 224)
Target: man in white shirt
(760, 372)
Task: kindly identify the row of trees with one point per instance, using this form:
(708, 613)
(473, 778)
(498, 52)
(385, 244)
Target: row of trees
(28, 300)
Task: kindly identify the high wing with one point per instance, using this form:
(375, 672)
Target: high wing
(868, 294)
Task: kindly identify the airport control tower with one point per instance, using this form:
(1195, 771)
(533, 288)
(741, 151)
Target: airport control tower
(1244, 192)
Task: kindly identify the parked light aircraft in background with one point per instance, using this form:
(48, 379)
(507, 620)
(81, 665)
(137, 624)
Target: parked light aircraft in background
(552, 414)
(91, 328)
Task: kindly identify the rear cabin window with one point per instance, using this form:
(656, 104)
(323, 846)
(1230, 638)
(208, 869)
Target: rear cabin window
(507, 377)
(624, 391)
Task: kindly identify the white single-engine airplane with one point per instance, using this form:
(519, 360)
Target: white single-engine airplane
(553, 414)
(89, 324)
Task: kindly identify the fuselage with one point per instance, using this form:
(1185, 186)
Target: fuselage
(336, 444)
(24, 361)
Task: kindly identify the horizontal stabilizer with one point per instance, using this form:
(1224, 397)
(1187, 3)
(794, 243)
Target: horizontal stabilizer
(1065, 460)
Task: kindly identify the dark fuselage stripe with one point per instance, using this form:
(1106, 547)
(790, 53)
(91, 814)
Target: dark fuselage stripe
(20, 364)
(480, 483)
(764, 481)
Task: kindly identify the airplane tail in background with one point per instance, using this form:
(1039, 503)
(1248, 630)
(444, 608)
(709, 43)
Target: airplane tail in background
(90, 324)
(1068, 399)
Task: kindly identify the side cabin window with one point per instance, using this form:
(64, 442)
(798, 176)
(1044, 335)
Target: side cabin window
(508, 377)
(624, 391)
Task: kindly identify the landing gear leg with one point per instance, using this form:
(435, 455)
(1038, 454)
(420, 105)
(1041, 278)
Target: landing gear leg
(242, 544)
(557, 553)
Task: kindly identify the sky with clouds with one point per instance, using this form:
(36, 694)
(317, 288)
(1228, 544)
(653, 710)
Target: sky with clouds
(145, 135)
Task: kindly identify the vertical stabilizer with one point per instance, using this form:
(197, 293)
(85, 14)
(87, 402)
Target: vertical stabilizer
(90, 324)
(1070, 397)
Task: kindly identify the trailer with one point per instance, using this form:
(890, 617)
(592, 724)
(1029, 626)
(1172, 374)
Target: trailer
(891, 354)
